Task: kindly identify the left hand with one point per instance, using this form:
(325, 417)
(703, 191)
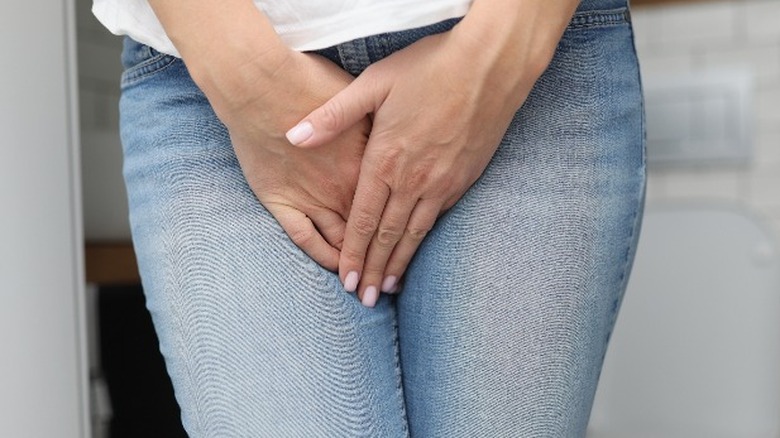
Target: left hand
(436, 125)
(439, 116)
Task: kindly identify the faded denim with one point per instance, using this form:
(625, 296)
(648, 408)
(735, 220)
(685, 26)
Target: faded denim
(507, 308)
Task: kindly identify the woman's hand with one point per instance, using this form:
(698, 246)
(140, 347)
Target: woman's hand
(308, 191)
(435, 129)
(441, 107)
(258, 87)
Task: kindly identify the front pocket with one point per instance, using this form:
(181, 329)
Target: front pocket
(155, 63)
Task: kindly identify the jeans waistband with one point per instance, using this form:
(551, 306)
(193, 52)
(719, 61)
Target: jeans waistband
(600, 5)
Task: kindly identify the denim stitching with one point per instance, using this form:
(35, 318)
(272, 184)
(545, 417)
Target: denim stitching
(636, 219)
(399, 378)
(147, 68)
(637, 213)
(590, 19)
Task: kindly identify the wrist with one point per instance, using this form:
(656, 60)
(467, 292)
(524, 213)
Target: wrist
(224, 44)
(242, 52)
(226, 71)
(515, 40)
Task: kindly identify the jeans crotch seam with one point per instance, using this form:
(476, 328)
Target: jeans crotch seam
(399, 379)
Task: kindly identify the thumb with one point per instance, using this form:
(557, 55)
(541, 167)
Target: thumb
(335, 116)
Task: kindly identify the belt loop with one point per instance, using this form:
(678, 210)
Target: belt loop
(354, 56)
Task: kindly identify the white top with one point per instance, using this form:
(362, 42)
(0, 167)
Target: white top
(302, 24)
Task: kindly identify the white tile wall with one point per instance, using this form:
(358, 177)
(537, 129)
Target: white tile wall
(715, 35)
(691, 26)
(763, 59)
(768, 107)
(761, 21)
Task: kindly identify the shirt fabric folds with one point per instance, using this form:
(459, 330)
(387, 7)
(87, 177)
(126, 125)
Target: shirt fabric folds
(302, 24)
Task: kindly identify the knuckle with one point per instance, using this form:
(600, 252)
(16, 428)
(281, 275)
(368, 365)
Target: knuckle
(365, 225)
(388, 162)
(417, 233)
(332, 115)
(302, 236)
(388, 236)
(352, 257)
(420, 175)
(338, 241)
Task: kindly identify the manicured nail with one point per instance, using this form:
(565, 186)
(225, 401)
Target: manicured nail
(370, 295)
(300, 133)
(388, 283)
(350, 283)
(394, 290)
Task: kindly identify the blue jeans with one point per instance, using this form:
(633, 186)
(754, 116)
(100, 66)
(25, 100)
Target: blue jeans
(507, 307)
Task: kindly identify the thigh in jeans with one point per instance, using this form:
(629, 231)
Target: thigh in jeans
(508, 306)
(258, 339)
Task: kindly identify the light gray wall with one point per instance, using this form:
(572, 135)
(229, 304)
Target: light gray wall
(105, 201)
(690, 38)
(42, 372)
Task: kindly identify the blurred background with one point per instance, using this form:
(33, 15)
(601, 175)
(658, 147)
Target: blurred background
(696, 350)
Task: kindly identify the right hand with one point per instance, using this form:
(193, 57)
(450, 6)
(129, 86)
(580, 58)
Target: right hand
(308, 191)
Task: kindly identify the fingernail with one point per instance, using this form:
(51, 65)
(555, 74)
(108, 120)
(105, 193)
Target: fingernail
(388, 283)
(350, 283)
(370, 296)
(300, 133)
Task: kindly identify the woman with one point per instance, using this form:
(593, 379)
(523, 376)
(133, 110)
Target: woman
(488, 169)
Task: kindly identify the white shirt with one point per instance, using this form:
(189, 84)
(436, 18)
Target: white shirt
(301, 24)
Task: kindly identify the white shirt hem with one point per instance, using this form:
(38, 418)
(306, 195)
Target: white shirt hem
(136, 19)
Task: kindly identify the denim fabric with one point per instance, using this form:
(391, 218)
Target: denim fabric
(507, 308)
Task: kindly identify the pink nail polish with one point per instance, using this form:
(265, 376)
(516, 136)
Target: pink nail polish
(351, 282)
(370, 295)
(388, 283)
(300, 133)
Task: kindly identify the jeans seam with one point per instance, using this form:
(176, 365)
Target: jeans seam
(399, 378)
(605, 18)
(147, 68)
(638, 212)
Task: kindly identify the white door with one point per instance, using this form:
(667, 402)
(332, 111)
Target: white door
(43, 378)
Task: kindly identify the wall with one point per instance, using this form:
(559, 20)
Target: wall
(695, 349)
(105, 201)
(43, 378)
(720, 34)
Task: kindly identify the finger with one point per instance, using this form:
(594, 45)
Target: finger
(391, 229)
(347, 107)
(303, 233)
(420, 223)
(330, 225)
(370, 198)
